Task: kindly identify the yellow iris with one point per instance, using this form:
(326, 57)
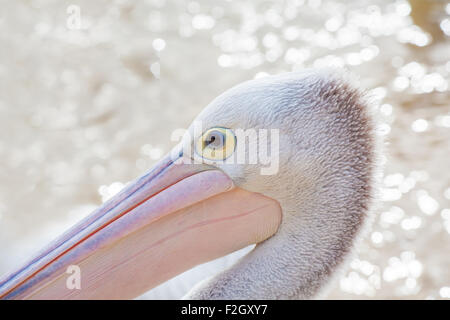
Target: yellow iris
(216, 144)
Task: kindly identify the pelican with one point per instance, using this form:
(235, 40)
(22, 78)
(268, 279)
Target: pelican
(194, 206)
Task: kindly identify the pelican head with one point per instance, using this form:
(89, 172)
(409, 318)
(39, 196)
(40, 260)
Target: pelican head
(214, 194)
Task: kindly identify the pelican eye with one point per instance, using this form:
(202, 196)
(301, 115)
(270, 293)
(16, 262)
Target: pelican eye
(216, 144)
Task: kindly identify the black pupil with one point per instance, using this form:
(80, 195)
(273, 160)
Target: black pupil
(214, 140)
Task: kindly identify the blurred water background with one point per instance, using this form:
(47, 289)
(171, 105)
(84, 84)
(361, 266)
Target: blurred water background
(90, 92)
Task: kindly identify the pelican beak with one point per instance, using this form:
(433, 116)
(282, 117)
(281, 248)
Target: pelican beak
(171, 219)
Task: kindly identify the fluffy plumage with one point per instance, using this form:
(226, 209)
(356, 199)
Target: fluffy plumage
(324, 185)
